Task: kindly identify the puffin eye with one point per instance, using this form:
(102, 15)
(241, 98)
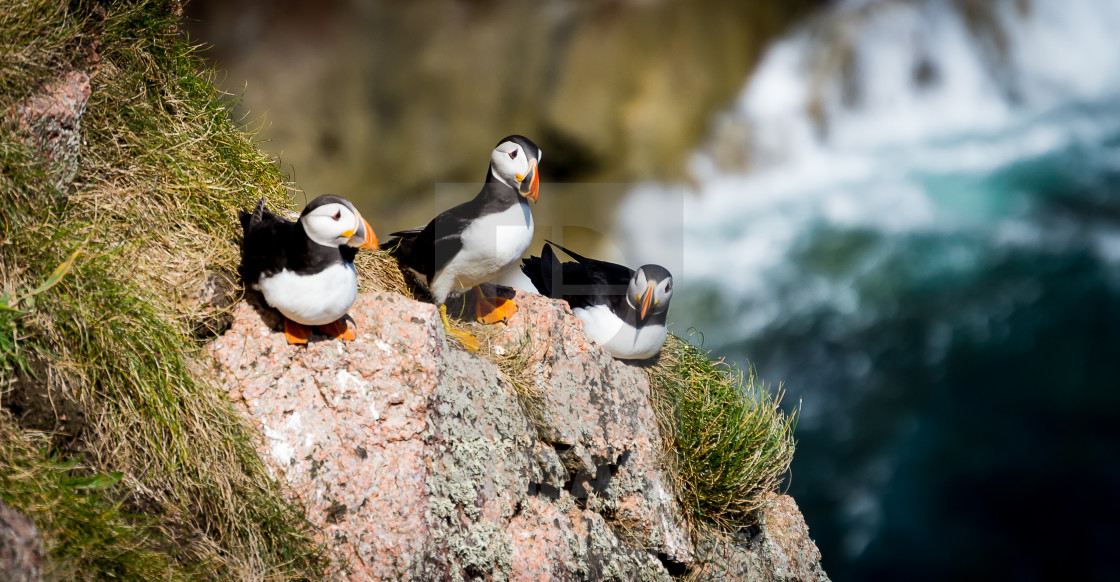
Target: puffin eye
(337, 214)
(513, 155)
(668, 286)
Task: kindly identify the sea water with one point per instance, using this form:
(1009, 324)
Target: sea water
(922, 244)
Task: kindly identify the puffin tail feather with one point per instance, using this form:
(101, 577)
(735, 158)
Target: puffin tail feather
(545, 272)
(396, 238)
(258, 213)
(250, 220)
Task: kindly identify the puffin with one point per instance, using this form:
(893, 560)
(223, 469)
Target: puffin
(305, 269)
(621, 309)
(480, 239)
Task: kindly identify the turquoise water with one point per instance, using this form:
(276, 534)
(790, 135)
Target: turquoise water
(932, 272)
(967, 426)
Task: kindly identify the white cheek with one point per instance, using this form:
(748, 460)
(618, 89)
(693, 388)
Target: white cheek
(323, 230)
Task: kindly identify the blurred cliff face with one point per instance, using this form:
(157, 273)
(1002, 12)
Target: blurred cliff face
(380, 100)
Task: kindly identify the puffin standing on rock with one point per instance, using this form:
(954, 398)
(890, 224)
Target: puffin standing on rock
(621, 309)
(305, 269)
(478, 240)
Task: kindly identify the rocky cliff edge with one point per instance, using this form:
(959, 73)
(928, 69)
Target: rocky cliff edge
(418, 460)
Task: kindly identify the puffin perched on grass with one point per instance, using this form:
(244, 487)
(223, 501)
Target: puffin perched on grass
(478, 240)
(305, 269)
(623, 310)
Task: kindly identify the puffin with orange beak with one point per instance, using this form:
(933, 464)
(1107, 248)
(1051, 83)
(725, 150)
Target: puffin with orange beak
(623, 310)
(305, 269)
(479, 240)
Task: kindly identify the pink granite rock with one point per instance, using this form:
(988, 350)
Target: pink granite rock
(52, 119)
(417, 460)
(21, 548)
(778, 550)
(596, 410)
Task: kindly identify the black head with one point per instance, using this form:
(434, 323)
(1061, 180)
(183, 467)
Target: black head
(514, 163)
(333, 221)
(650, 290)
(526, 144)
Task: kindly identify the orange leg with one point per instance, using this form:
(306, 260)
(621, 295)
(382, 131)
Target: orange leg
(338, 330)
(492, 309)
(296, 333)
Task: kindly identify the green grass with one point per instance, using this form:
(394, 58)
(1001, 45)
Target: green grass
(91, 536)
(731, 443)
(150, 219)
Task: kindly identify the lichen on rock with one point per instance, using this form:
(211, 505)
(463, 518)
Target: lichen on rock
(417, 460)
(51, 118)
(21, 549)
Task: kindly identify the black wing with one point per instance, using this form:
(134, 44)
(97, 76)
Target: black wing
(428, 248)
(585, 283)
(264, 247)
(603, 272)
(543, 271)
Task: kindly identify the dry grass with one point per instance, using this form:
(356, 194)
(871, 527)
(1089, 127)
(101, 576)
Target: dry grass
(91, 533)
(730, 443)
(520, 368)
(152, 216)
(381, 272)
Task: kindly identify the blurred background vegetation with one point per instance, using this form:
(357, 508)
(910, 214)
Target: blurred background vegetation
(379, 101)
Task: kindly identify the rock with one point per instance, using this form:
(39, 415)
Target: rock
(779, 550)
(417, 460)
(21, 549)
(597, 411)
(52, 119)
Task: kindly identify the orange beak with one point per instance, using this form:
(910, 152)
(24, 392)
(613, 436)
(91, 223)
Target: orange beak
(646, 298)
(371, 237)
(364, 238)
(531, 184)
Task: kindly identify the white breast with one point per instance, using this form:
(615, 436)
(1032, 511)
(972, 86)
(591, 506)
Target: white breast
(491, 244)
(312, 299)
(621, 339)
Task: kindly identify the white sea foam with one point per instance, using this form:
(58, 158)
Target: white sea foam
(902, 146)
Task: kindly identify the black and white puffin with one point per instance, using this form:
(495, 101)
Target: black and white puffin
(623, 310)
(478, 240)
(305, 269)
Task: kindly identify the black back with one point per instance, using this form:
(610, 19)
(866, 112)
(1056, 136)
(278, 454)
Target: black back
(584, 283)
(526, 144)
(427, 249)
(273, 243)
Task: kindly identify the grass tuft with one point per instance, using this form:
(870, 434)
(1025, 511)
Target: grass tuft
(381, 272)
(148, 230)
(88, 535)
(730, 441)
(520, 367)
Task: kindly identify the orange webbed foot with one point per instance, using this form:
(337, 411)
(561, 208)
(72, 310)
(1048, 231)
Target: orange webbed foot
(297, 334)
(493, 309)
(339, 330)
